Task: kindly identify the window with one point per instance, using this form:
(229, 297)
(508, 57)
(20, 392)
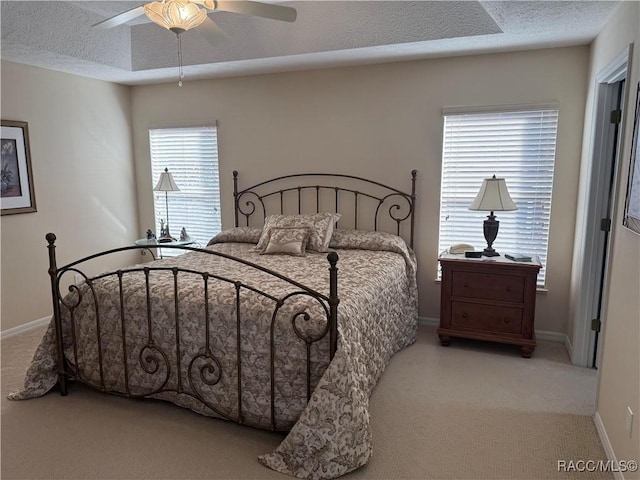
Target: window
(191, 155)
(519, 145)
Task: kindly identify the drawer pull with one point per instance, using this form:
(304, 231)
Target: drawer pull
(506, 320)
(465, 285)
(508, 288)
(465, 315)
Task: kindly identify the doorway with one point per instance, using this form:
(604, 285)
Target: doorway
(610, 96)
(613, 93)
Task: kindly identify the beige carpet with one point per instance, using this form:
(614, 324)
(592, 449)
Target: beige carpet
(469, 411)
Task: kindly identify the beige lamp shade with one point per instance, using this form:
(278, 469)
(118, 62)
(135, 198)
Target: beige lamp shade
(493, 196)
(175, 15)
(166, 183)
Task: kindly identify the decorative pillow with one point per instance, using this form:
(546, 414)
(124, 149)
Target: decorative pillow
(320, 224)
(289, 240)
(362, 239)
(237, 235)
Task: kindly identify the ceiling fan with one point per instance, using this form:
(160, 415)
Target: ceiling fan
(182, 15)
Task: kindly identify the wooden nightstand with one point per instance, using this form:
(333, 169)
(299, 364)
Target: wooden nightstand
(490, 299)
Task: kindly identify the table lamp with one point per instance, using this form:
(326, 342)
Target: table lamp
(492, 197)
(166, 184)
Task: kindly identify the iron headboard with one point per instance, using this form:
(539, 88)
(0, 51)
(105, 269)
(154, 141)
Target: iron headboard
(401, 209)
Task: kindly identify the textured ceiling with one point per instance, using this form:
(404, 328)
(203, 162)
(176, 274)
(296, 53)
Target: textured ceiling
(58, 35)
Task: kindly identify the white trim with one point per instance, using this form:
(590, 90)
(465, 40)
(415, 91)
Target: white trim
(569, 347)
(549, 105)
(552, 336)
(182, 124)
(12, 332)
(617, 68)
(606, 444)
(429, 321)
(541, 334)
(592, 247)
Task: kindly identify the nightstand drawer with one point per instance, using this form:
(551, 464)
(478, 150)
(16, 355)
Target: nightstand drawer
(486, 317)
(488, 286)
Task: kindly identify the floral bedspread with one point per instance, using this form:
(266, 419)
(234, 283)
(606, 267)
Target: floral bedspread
(330, 435)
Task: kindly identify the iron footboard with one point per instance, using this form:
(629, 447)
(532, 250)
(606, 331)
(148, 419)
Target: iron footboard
(204, 368)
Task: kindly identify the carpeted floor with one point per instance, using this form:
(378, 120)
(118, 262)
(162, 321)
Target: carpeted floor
(469, 411)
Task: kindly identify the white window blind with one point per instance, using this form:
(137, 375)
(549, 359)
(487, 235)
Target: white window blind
(191, 155)
(519, 146)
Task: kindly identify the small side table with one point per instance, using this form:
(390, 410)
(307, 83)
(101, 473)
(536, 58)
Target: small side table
(490, 299)
(153, 243)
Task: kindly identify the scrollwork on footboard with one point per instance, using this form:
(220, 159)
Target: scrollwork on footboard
(132, 332)
(307, 339)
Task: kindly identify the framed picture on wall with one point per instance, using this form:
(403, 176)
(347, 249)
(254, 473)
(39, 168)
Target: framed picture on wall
(17, 193)
(631, 218)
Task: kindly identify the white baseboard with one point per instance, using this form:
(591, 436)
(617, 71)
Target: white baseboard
(569, 347)
(540, 334)
(24, 328)
(430, 321)
(606, 444)
(552, 336)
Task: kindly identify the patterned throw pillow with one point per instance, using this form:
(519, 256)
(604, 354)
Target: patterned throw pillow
(289, 240)
(320, 224)
(237, 234)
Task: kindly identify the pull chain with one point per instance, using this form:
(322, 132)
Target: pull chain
(180, 71)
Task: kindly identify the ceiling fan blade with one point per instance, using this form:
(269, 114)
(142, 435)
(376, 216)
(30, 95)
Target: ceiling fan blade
(121, 18)
(257, 9)
(212, 32)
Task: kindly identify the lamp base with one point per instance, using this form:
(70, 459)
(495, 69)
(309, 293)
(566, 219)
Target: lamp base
(490, 228)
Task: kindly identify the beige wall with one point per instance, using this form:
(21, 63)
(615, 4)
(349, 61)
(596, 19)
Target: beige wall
(380, 122)
(619, 372)
(81, 155)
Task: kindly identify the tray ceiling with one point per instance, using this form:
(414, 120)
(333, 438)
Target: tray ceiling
(57, 35)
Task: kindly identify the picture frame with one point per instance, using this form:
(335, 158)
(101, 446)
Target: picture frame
(631, 218)
(17, 193)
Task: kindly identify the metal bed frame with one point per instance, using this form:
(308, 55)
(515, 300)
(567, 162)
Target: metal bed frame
(205, 368)
(387, 196)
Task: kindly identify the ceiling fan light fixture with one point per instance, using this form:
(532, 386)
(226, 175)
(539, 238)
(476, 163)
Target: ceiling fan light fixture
(210, 4)
(175, 15)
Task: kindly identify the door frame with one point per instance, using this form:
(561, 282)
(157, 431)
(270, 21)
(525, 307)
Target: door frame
(601, 164)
